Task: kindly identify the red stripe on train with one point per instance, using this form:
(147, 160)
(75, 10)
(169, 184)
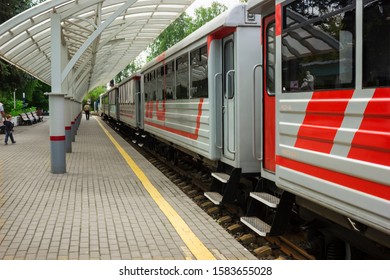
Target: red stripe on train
(278, 19)
(219, 34)
(189, 135)
(324, 116)
(358, 184)
(372, 141)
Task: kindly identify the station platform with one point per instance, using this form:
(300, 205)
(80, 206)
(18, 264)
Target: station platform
(112, 204)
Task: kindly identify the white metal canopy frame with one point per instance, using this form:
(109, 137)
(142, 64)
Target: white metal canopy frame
(76, 45)
(100, 37)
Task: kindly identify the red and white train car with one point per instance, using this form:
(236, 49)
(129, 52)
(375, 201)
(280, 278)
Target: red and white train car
(295, 96)
(326, 93)
(195, 93)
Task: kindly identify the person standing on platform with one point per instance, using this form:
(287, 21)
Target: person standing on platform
(9, 129)
(2, 116)
(86, 110)
(2, 113)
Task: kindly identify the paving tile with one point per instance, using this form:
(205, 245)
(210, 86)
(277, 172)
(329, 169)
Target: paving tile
(98, 209)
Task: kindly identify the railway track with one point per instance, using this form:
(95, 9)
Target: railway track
(194, 181)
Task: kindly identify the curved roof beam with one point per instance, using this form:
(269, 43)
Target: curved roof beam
(98, 38)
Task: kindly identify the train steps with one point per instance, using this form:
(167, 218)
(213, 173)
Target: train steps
(280, 207)
(223, 187)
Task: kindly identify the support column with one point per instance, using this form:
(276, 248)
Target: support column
(56, 99)
(74, 117)
(68, 125)
(79, 115)
(57, 133)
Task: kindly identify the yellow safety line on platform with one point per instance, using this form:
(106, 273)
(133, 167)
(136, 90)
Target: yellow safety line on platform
(197, 248)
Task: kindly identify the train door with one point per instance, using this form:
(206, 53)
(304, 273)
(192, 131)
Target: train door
(228, 96)
(269, 93)
(138, 104)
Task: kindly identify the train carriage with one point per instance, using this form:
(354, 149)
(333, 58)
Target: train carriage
(129, 101)
(109, 101)
(197, 94)
(326, 69)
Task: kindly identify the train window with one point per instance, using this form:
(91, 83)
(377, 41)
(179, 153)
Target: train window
(228, 66)
(129, 92)
(318, 45)
(121, 97)
(170, 80)
(182, 77)
(199, 80)
(146, 87)
(160, 91)
(376, 45)
(150, 86)
(271, 58)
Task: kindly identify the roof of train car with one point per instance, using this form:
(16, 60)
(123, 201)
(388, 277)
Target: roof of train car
(100, 36)
(233, 17)
(259, 6)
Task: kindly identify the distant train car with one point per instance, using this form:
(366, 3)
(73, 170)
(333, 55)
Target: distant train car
(129, 102)
(109, 101)
(197, 93)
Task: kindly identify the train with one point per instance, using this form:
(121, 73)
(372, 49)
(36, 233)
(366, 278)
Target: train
(292, 96)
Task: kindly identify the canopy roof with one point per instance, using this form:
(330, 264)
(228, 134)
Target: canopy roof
(100, 37)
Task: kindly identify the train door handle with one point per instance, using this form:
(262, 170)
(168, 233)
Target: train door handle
(254, 138)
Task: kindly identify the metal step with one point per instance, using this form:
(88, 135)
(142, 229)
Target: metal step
(222, 177)
(266, 198)
(214, 197)
(137, 133)
(143, 135)
(141, 144)
(257, 225)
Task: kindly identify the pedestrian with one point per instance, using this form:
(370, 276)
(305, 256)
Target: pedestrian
(86, 110)
(9, 129)
(2, 116)
(2, 112)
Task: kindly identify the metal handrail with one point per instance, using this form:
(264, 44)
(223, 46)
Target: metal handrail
(254, 138)
(227, 109)
(139, 107)
(215, 89)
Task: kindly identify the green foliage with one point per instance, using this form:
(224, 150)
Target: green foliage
(174, 33)
(11, 78)
(10, 8)
(10, 108)
(94, 94)
(128, 71)
(204, 15)
(184, 26)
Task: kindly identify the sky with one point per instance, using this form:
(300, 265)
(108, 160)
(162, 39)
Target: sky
(207, 3)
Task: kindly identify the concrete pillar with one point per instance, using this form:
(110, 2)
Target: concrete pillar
(56, 99)
(57, 133)
(74, 118)
(68, 125)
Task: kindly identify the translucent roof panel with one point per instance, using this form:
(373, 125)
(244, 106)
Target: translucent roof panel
(25, 40)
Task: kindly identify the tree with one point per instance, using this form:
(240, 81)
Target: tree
(13, 79)
(174, 33)
(182, 27)
(204, 15)
(94, 94)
